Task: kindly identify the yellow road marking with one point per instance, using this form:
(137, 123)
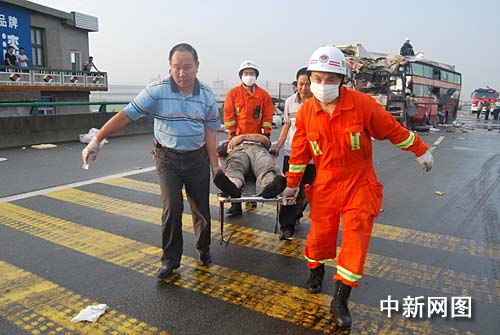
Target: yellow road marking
(39, 306)
(387, 232)
(390, 268)
(272, 298)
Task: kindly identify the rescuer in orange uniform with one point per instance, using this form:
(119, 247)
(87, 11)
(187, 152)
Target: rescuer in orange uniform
(248, 110)
(335, 129)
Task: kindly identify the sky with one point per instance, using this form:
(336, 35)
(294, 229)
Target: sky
(135, 37)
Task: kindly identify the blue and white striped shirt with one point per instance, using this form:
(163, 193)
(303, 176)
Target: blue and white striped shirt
(179, 121)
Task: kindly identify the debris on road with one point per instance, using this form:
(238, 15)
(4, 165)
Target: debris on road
(90, 313)
(43, 146)
(3, 159)
(439, 193)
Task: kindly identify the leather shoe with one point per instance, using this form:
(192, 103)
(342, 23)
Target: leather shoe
(235, 209)
(275, 187)
(226, 185)
(286, 234)
(166, 270)
(204, 258)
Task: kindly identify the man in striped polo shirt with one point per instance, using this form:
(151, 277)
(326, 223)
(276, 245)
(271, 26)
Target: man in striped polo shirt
(185, 122)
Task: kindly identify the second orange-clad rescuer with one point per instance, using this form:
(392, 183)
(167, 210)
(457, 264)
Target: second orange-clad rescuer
(335, 128)
(248, 109)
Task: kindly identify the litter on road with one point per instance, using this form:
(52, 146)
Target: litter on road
(90, 313)
(43, 146)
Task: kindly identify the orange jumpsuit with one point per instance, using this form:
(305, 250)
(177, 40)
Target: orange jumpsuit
(248, 113)
(345, 182)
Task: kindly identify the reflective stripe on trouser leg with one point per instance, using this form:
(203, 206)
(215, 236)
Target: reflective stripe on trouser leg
(356, 232)
(321, 242)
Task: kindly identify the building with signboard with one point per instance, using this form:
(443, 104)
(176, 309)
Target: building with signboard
(57, 46)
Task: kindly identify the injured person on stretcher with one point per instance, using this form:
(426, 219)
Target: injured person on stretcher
(248, 154)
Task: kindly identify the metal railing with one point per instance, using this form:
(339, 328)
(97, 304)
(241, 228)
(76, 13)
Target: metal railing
(35, 105)
(46, 78)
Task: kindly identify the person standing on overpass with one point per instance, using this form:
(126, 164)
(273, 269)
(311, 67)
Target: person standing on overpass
(185, 122)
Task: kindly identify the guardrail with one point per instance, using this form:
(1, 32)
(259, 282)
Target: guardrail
(22, 78)
(35, 105)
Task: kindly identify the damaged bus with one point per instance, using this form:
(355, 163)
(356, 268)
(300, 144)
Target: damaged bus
(416, 91)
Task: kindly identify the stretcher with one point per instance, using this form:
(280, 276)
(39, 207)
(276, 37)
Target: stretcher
(248, 194)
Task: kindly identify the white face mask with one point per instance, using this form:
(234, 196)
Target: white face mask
(248, 80)
(325, 93)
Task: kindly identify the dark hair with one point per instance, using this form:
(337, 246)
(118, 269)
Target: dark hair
(294, 82)
(302, 72)
(183, 47)
(10, 46)
(21, 48)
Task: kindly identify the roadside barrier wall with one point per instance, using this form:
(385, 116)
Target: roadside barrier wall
(19, 131)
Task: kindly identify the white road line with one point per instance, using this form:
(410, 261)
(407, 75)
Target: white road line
(72, 185)
(436, 143)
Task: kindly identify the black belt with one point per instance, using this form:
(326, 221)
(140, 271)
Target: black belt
(178, 152)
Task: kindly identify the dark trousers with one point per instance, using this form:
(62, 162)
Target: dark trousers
(290, 214)
(175, 170)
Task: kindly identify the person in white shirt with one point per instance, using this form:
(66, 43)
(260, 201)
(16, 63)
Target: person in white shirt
(290, 215)
(22, 59)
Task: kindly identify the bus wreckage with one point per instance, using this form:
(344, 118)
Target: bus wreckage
(418, 92)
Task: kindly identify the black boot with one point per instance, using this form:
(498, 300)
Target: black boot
(316, 279)
(339, 305)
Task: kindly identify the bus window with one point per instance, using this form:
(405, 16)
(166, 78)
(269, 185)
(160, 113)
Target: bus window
(458, 78)
(428, 72)
(446, 76)
(436, 74)
(417, 69)
(435, 93)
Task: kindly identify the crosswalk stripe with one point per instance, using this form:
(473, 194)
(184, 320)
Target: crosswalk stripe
(272, 298)
(391, 268)
(382, 231)
(39, 306)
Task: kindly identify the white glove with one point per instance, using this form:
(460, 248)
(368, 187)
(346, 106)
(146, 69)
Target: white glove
(91, 151)
(425, 161)
(289, 195)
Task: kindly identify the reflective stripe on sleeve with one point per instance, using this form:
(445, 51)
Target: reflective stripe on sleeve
(408, 142)
(348, 275)
(267, 124)
(229, 123)
(315, 147)
(297, 168)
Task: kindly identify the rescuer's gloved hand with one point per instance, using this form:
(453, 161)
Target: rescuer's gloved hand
(289, 195)
(425, 161)
(90, 152)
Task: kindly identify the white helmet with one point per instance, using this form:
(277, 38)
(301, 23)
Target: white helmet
(327, 59)
(248, 64)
